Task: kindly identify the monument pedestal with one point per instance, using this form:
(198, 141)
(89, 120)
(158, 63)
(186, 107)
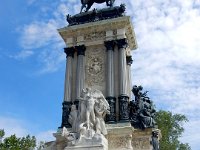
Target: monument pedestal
(97, 142)
(141, 139)
(119, 136)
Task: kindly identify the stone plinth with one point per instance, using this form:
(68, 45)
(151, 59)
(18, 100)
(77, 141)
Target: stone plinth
(98, 142)
(141, 139)
(119, 136)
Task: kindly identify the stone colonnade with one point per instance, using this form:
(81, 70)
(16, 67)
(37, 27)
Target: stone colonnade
(123, 69)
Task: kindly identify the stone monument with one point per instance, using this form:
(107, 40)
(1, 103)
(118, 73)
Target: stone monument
(97, 112)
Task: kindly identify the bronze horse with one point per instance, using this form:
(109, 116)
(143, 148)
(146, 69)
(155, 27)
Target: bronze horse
(88, 3)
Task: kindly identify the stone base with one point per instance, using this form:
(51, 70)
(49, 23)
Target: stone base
(141, 139)
(97, 142)
(94, 147)
(119, 136)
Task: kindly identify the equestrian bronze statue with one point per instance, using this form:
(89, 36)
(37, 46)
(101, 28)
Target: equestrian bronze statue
(87, 4)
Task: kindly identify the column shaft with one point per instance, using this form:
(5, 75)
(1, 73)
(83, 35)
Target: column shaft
(111, 118)
(129, 61)
(68, 87)
(122, 68)
(80, 73)
(68, 80)
(123, 97)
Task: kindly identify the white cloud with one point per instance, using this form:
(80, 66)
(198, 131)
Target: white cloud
(192, 134)
(31, 1)
(45, 136)
(42, 34)
(20, 129)
(53, 60)
(23, 54)
(168, 58)
(39, 34)
(13, 126)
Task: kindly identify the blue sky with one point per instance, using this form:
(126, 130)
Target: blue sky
(32, 62)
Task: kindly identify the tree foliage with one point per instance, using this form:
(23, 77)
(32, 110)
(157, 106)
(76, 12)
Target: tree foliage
(171, 126)
(15, 143)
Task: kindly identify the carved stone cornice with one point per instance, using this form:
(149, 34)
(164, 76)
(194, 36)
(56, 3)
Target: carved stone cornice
(122, 43)
(69, 51)
(129, 60)
(100, 27)
(80, 49)
(109, 45)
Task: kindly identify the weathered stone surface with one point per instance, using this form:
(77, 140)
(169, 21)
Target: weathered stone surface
(119, 136)
(141, 139)
(94, 33)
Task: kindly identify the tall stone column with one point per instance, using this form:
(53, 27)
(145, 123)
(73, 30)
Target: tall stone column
(123, 97)
(111, 118)
(80, 72)
(68, 87)
(129, 61)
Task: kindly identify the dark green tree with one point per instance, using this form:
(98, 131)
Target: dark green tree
(171, 126)
(15, 143)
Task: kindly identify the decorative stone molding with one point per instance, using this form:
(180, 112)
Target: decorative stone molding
(69, 51)
(109, 35)
(122, 43)
(80, 40)
(70, 42)
(80, 50)
(95, 66)
(121, 33)
(109, 45)
(95, 36)
(99, 27)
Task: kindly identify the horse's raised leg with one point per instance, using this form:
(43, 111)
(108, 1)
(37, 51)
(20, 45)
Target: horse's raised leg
(83, 6)
(89, 6)
(107, 2)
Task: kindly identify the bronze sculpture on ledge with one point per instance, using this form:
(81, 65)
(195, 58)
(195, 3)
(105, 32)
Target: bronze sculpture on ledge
(88, 3)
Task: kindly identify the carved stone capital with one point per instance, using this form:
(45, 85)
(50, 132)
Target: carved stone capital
(122, 43)
(109, 45)
(80, 49)
(129, 60)
(69, 51)
(111, 118)
(123, 108)
(65, 114)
